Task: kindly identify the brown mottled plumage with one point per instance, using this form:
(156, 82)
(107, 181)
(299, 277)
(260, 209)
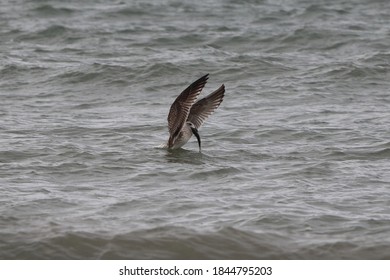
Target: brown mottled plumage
(186, 117)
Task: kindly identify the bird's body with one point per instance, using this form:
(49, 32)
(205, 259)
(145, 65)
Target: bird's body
(186, 116)
(184, 135)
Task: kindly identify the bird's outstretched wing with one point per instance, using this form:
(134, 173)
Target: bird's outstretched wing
(204, 107)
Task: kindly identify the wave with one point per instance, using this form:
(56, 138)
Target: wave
(49, 10)
(182, 243)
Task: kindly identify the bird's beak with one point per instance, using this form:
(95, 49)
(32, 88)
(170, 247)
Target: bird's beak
(195, 132)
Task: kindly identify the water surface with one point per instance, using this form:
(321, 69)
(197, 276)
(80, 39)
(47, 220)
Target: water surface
(294, 164)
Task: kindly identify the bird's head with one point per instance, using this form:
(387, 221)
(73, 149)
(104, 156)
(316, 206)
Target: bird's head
(195, 132)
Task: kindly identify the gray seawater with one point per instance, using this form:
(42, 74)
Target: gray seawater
(295, 163)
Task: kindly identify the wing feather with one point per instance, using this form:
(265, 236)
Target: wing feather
(204, 107)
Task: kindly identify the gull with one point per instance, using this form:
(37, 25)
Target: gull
(186, 116)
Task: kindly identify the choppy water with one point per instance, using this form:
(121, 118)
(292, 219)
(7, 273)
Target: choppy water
(295, 162)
